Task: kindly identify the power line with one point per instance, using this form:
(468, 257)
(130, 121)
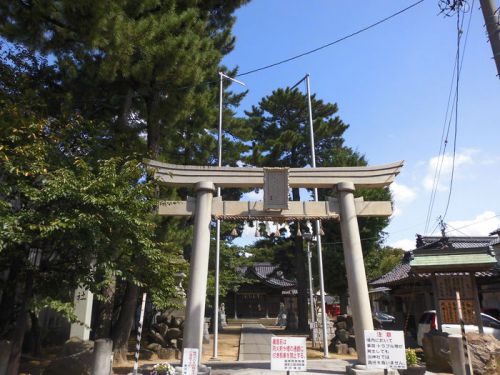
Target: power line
(331, 43)
(402, 230)
(459, 36)
(457, 68)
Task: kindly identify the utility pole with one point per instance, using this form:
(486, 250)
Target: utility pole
(492, 20)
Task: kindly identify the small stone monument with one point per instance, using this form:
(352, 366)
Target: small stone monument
(281, 320)
(222, 315)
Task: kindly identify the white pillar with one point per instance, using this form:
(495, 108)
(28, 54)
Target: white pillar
(195, 309)
(83, 310)
(355, 268)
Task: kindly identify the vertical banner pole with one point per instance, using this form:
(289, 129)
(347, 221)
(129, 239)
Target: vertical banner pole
(467, 364)
(139, 335)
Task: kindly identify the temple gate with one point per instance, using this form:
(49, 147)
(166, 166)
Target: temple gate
(276, 207)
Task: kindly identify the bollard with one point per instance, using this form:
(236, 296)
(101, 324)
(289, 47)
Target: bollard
(457, 358)
(103, 357)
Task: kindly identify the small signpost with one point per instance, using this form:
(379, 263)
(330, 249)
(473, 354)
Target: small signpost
(190, 361)
(385, 349)
(288, 354)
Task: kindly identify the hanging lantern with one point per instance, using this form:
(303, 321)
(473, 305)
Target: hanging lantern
(257, 232)
(299, 233)
(234, 232)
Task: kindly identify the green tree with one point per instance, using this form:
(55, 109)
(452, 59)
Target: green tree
(67, 215)
(282, 139)
(140, 68)
(382, 260)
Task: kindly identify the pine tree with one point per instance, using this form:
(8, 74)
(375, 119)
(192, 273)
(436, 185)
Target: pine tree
(282, 139)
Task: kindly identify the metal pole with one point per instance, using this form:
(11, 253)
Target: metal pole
(139, 335)
(311, 296)
(467, 364)
(217, 229)
(491, 14)
(318, 225)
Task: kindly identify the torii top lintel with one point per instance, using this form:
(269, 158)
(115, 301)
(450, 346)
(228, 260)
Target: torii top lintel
(249, 177)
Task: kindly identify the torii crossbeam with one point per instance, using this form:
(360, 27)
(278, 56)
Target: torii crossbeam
(276, 207)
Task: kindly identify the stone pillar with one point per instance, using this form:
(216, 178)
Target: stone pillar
(195, 309)
(355, 268)
(83, 310)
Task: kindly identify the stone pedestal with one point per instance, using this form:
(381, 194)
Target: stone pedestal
(363, 370)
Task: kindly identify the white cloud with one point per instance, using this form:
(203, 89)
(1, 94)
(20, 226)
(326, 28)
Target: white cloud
(482, 225)
(404, 244)
(443, 165)
(402, 193)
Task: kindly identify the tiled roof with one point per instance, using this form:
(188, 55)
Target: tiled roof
(403, 272)
(435, 242)
(269, 274)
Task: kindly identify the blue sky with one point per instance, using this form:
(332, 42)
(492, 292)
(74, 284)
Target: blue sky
(391, 84)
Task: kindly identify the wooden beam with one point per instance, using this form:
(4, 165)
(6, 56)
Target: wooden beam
(232, 210)
(247, 177)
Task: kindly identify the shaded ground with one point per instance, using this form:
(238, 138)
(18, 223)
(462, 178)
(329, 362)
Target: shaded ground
(228, 351)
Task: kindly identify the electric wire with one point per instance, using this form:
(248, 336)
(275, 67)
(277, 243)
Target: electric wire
(443, 145)
(459, 36)
(331, 43)
(458, 64)
(402, 230)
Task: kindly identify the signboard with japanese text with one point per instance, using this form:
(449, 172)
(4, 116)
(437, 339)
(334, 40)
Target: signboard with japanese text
(190, 361)
(288, 353)
(385, 349)
(446, 287)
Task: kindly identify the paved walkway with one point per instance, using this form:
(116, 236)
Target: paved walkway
(317, 367)
(255, 343)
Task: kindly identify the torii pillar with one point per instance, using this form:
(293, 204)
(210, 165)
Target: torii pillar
(198, 272)
(346, 208)
(355, 267)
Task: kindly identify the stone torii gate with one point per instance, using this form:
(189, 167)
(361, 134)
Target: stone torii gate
(276, 207)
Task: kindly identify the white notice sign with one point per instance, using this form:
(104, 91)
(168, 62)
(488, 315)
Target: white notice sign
(189, 361)
(385, 349)
(288, 353)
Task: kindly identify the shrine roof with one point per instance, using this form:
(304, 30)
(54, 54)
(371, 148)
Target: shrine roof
(269, 274)
(438, 252)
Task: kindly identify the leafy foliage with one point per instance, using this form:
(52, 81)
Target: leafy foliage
(282, 139)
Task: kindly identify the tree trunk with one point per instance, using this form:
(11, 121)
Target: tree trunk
(122, 328)
(343, 303)
(301, 274)
(105, 314)
(36, 337)
(152, 104)
(8, 295)
(20, 328)
(123, 116)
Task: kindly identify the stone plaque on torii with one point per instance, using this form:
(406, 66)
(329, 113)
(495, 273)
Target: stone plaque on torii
(275, 207)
